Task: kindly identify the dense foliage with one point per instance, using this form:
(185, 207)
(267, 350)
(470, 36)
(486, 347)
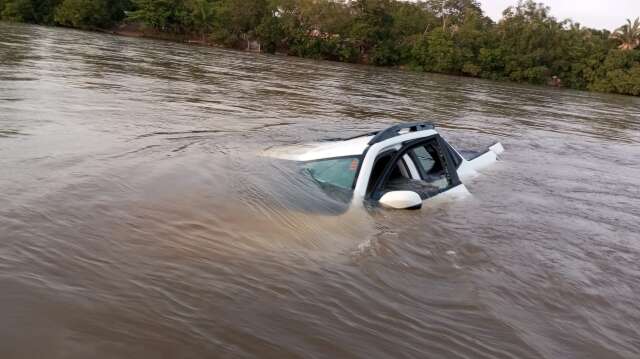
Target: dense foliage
(445, 36)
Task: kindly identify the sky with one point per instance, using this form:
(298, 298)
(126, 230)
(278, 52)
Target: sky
(599, 14)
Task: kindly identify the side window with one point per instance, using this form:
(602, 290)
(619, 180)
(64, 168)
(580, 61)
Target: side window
(378, 169)
(338, 172)
(432, 167)
(399, 172)
(425, 159)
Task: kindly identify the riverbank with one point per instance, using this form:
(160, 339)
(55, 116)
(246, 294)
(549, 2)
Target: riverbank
(528, 45)
(139, 31)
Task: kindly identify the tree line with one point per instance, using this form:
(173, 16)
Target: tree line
(445, 36)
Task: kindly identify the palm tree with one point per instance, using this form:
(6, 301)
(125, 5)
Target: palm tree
(628, 35)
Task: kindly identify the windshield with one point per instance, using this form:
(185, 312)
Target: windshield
(339, 172)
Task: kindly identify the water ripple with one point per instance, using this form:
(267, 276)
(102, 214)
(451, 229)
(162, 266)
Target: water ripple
(137, 218)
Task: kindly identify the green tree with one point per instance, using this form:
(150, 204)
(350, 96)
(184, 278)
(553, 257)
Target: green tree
(33, 11)
(271, 33)
(371, 31)
(528, 41)
(452, 12)
(83, 13)
(410, 22)
(470, 37)
(19, 11)
(162, 15)
(203, 16)
(238, 20)
(620, 73)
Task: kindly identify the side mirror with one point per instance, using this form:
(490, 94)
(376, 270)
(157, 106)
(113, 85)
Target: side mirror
(401, 200)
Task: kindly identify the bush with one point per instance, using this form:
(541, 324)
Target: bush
(83, 14)
(18, 10)
(620, 73)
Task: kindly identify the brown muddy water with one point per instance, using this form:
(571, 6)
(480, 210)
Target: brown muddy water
(137, 219)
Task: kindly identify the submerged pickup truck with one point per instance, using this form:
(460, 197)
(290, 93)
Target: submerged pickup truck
(399, 167)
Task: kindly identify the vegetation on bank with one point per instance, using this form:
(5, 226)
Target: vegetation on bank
(444, 36)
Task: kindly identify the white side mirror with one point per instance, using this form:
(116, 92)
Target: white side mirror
(401, 200)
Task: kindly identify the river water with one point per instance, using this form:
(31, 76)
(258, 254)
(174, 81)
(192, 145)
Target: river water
(138, 220)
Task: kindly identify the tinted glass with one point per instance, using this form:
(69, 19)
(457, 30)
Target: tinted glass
(434, 178)
(426, 160)
(433, 171)
(339, 172)
(378, 169)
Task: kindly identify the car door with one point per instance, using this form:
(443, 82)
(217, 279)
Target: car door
(429, 165)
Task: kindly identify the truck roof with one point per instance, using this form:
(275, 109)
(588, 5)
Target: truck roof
(320, 150)
(354, 146)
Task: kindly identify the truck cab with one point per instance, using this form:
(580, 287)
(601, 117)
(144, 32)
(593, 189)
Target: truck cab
(400, 167)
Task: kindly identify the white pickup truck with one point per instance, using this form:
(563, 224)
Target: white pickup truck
(399, 167)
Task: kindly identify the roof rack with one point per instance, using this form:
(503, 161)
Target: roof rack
(394, 131)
